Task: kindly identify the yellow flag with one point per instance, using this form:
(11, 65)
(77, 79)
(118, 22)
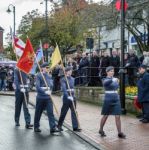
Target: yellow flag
(56, 57)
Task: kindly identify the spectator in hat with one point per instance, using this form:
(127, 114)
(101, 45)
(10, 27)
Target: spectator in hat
(143, 92)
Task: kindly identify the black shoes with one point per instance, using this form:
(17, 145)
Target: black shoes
(60, 128)
(121, 135)
(140, 116)
(102, 133)
(77, 130)
(54, 130)
(37, 130)
(144, 120)
(17, 124)
(29, 126)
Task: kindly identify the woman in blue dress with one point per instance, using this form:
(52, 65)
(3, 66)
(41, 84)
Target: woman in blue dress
(111, 105)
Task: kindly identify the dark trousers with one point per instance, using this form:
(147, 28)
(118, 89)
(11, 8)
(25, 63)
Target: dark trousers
(42, 105)
(18, 104)
(145, 110)
(3, 84)
(66, 105)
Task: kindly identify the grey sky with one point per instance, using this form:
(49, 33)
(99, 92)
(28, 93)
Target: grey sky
(22, 7)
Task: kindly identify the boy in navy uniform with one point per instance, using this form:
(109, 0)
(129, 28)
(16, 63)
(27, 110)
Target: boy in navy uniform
(21, 91)
(68, 100)
(43, 100)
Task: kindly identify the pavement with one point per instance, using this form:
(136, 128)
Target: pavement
(89, 118)
(19, 138)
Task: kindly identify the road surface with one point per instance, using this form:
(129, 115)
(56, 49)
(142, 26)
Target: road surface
(19, 138)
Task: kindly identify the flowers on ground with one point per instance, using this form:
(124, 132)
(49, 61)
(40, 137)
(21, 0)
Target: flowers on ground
(131, 90)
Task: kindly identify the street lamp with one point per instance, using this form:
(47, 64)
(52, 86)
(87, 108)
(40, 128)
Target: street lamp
(46, 27)
(14, 16)
(122, 72)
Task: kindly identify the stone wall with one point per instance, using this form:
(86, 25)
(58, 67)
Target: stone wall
(95, 96)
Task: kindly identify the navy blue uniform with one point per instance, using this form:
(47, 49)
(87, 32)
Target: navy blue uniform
(43, 101)
(20, 98)
(143, 93)
(67, 103)
(111, 104)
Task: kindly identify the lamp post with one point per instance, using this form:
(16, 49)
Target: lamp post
(46, 26)
(14, 17)
(46, 45)
(122, 71)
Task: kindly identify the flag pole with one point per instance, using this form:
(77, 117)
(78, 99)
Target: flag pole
(46, 85)
(77, 116)
(21, 77)
(42, 51)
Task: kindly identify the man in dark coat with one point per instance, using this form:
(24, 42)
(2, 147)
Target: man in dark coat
(104, 62)
(115, 62)
(94, 62)
(3, 76)
(83, 68)
(143, 93)
(133, 65)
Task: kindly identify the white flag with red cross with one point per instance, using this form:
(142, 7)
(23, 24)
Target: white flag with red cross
(18, 46)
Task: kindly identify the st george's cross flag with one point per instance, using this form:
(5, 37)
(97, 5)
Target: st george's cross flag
(18, 46)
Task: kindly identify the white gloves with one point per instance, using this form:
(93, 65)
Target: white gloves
(14, 86)
(70, 98)
(22, 90)
(127, 65)
(115, 80)
(48, 92)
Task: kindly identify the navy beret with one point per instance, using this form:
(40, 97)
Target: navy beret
(109, 68)
(45, 64)
(68, 68)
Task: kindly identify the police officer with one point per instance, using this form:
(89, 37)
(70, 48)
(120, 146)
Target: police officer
(22, 97)
(43, 100)
(143, 94)
(68, 100)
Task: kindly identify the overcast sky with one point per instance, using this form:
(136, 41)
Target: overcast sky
(22, 7)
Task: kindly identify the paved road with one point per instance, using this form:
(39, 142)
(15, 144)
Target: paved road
(13, 138)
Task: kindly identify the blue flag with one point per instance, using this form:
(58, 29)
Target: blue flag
(39, 57)
(39, 53)
(33, 71)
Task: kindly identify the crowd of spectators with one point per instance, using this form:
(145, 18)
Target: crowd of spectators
(6, 78)
(88, 69)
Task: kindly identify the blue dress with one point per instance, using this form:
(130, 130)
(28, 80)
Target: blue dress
(111, 105)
